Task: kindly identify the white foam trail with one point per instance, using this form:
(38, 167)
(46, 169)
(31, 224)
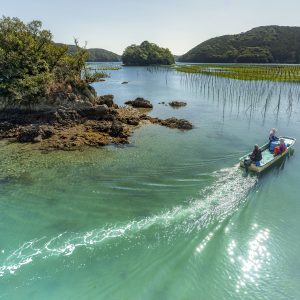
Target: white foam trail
(215, 203)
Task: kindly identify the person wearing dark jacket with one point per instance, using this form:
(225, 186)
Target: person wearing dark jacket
(256, 156)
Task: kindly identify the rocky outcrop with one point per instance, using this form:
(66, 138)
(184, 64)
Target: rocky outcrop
(140, 103)
(177, 123)
(170, 122)
(177, 104)
(83, 124)
(34, 134)
(97, 112)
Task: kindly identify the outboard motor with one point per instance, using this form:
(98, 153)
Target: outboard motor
(247, 163)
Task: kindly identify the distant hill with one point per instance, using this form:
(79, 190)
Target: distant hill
(265, 44)
(97, 54)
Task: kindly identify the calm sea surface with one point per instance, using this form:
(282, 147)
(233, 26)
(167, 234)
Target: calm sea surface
(170, 216)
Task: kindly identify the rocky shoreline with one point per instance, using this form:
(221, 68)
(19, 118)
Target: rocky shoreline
(73, 127)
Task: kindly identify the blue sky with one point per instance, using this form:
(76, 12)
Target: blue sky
(176, 24)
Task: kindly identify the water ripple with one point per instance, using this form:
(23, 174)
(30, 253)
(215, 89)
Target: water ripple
(214, 203)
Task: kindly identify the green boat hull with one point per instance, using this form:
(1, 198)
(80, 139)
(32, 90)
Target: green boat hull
(269, 159)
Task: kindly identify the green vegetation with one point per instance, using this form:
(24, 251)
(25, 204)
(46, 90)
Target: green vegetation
(266, 44)
(147, 54)
(287, 73)
(107, 68)
(32, 67)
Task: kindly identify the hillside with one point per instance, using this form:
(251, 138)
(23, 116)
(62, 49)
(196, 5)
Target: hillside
(97, 54)
(266, 44)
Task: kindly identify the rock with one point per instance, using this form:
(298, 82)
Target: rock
(124, 82)
(28, 134)
(105, 99)
(5, 126)
(63, 115)
(102, 127)
(177, 123)
(46, 133)
(116, 128)
(161, 102)
(132, 121)
(140, 103)
(37, 139)
(92, 90)
(177, 103)
(72, 97)
(97, 112)
(87, 92)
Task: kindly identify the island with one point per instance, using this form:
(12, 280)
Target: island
(147, 54)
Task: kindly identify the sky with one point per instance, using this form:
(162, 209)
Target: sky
(176, 24)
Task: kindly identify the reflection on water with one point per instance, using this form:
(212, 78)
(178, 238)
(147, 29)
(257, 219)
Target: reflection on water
(246, 98)
(250, 264)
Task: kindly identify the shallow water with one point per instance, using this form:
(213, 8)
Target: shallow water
(170, 216)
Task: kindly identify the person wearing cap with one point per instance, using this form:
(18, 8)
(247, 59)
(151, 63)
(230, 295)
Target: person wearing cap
(281, 148)
(256, 156)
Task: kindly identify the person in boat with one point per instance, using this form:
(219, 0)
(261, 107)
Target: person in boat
(256, 156)
(272, 136)
(273, 140)
(281, 148)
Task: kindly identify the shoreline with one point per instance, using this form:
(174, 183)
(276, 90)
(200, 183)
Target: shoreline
(74, 128)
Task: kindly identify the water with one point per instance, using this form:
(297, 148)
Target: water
(169, 217)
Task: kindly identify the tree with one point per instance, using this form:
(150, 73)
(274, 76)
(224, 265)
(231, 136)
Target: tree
(147, 54)
(32, 65)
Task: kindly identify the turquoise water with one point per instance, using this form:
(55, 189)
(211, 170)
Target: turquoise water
(170, 216)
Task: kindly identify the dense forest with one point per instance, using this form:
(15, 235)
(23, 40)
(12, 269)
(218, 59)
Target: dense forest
(147, 54)
(266, 44)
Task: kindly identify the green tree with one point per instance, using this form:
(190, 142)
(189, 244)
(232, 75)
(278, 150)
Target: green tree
(32, 65)
(147, 54)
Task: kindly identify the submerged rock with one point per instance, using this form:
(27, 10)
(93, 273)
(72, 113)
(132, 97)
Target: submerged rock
(177, 123)
(140, 103)
(177, 103)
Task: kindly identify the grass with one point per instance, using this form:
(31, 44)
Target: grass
(284, 73)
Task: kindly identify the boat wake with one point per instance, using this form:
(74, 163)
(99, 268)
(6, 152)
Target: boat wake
(214, 204)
